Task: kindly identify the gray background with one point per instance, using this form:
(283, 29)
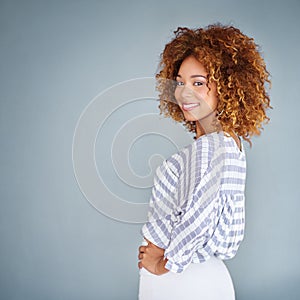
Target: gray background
(55, 57)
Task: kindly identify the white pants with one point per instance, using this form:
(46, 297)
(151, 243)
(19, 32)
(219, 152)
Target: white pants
(208, 281)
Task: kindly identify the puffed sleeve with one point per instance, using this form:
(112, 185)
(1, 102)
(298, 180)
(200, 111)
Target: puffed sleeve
(162, 204)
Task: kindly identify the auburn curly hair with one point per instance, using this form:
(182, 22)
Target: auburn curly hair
(234, 62)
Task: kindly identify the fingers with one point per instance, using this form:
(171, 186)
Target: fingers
(142, 249)
(140, 265)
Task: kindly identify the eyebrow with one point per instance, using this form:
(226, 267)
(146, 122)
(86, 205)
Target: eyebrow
(193, 76)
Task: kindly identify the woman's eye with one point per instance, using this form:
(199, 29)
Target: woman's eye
(198, 83)
(179, 83)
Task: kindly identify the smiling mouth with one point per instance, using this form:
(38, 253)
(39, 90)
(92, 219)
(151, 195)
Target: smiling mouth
(189, 106)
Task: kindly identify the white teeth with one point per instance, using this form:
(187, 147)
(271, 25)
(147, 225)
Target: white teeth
(192, 105)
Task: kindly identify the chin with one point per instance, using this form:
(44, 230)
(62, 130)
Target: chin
(190, 118)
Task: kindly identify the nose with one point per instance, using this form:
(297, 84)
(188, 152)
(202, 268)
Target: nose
(186, 93)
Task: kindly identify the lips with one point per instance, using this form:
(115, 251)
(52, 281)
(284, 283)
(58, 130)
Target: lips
(189, 106)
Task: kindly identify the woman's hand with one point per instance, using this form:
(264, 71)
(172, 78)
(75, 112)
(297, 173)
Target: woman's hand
(152, 258)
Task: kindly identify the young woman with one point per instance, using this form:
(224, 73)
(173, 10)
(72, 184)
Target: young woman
(213, 80)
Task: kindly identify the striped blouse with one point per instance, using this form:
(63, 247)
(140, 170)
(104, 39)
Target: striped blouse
(196, 209)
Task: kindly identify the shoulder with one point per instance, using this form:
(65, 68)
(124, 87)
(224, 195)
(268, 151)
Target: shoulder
(201, 150)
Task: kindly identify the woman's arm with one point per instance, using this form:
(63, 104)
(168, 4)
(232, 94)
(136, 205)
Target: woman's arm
(152, 258)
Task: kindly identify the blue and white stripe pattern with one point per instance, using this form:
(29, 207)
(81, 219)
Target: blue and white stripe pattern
(196, 209)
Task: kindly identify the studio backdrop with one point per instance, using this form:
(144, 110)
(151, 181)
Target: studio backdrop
(81, 136)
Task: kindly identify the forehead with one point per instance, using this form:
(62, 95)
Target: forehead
(191, 66)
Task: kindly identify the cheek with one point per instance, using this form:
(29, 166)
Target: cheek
(199, 96)
(213, 102)
(209, 96)
(177, 94)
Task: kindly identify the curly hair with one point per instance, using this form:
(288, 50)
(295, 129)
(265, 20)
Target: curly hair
(234, 62)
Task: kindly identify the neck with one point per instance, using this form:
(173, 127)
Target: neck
(207, 125)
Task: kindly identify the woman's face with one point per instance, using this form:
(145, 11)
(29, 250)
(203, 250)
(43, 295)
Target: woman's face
(197, 99)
